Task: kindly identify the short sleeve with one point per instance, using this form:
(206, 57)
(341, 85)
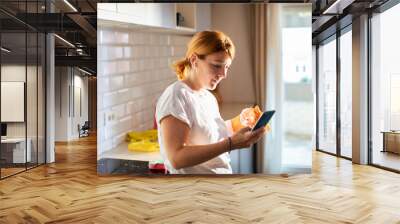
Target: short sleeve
(174, 103)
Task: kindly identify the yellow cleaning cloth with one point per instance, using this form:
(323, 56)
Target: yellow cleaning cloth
(143, 146)
(143, 141)
(134, 136)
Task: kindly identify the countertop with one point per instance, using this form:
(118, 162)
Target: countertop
(122, 152)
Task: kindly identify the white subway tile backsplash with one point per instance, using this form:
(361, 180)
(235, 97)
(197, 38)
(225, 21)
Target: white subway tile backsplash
(103, 85)
(166, 63)
(148, 64)
(127, 52)
(142, 65)
(164, 40)
(137, 38)
(171, 51)
(154, 51)
(154, 39)
(180, 40)
(119, 111)
(123, 66)
(131, 79)
(136, 120)
(141, 115)
(134, 69)
(106, 145)
(131, 108)
(109, 99)
(115, 82)
(156, 63)
(123, 126)
(163, 51)
(148, 52)
(179, 50)
(123, 95)
(118, 139)
(110, 52)
(145, 52)
(135, 92)
(122, 37)
(105, 36)
(106, 133)
(117, 52)
(135, 52)
(107, 68)
(100, 119)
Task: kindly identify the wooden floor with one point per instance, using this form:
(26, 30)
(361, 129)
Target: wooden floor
(70, 191)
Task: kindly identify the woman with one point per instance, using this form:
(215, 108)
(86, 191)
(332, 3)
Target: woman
(193, 137)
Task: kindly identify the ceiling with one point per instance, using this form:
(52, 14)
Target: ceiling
(332, 15)
(76, 20)
(73, 20)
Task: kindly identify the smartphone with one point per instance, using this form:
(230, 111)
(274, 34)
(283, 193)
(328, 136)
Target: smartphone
(264, 119)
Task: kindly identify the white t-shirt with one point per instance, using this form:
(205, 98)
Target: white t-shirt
(199, 110)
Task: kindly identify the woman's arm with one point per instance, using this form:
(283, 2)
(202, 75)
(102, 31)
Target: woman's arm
(176, 134)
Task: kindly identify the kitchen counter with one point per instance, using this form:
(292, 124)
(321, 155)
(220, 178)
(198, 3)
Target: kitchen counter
(120, 160)
(122, 152)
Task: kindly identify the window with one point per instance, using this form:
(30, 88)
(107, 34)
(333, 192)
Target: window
(385, 89)
(327, 96)
(346, 94)
(298, 127)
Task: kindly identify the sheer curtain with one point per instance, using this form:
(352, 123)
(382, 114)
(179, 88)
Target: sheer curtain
(274, 90)
(259, 37)
(268, 82)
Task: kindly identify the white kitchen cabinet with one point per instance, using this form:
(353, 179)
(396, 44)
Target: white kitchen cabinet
(197, 16)
(154, 14)
(107, 6)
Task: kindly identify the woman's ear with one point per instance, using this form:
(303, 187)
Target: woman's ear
(193, 60)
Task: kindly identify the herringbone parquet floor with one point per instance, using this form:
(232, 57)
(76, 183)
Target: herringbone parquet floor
(70, 191)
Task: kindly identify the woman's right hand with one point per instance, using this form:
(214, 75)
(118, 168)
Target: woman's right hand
(245, 137)
(249, 116)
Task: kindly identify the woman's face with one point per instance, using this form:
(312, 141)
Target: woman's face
(212, 69)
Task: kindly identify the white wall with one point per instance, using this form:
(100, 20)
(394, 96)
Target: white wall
(133, 70)
(234, 20)
(203, 16)
(61, 103)
(79, 117)
(66, 121)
